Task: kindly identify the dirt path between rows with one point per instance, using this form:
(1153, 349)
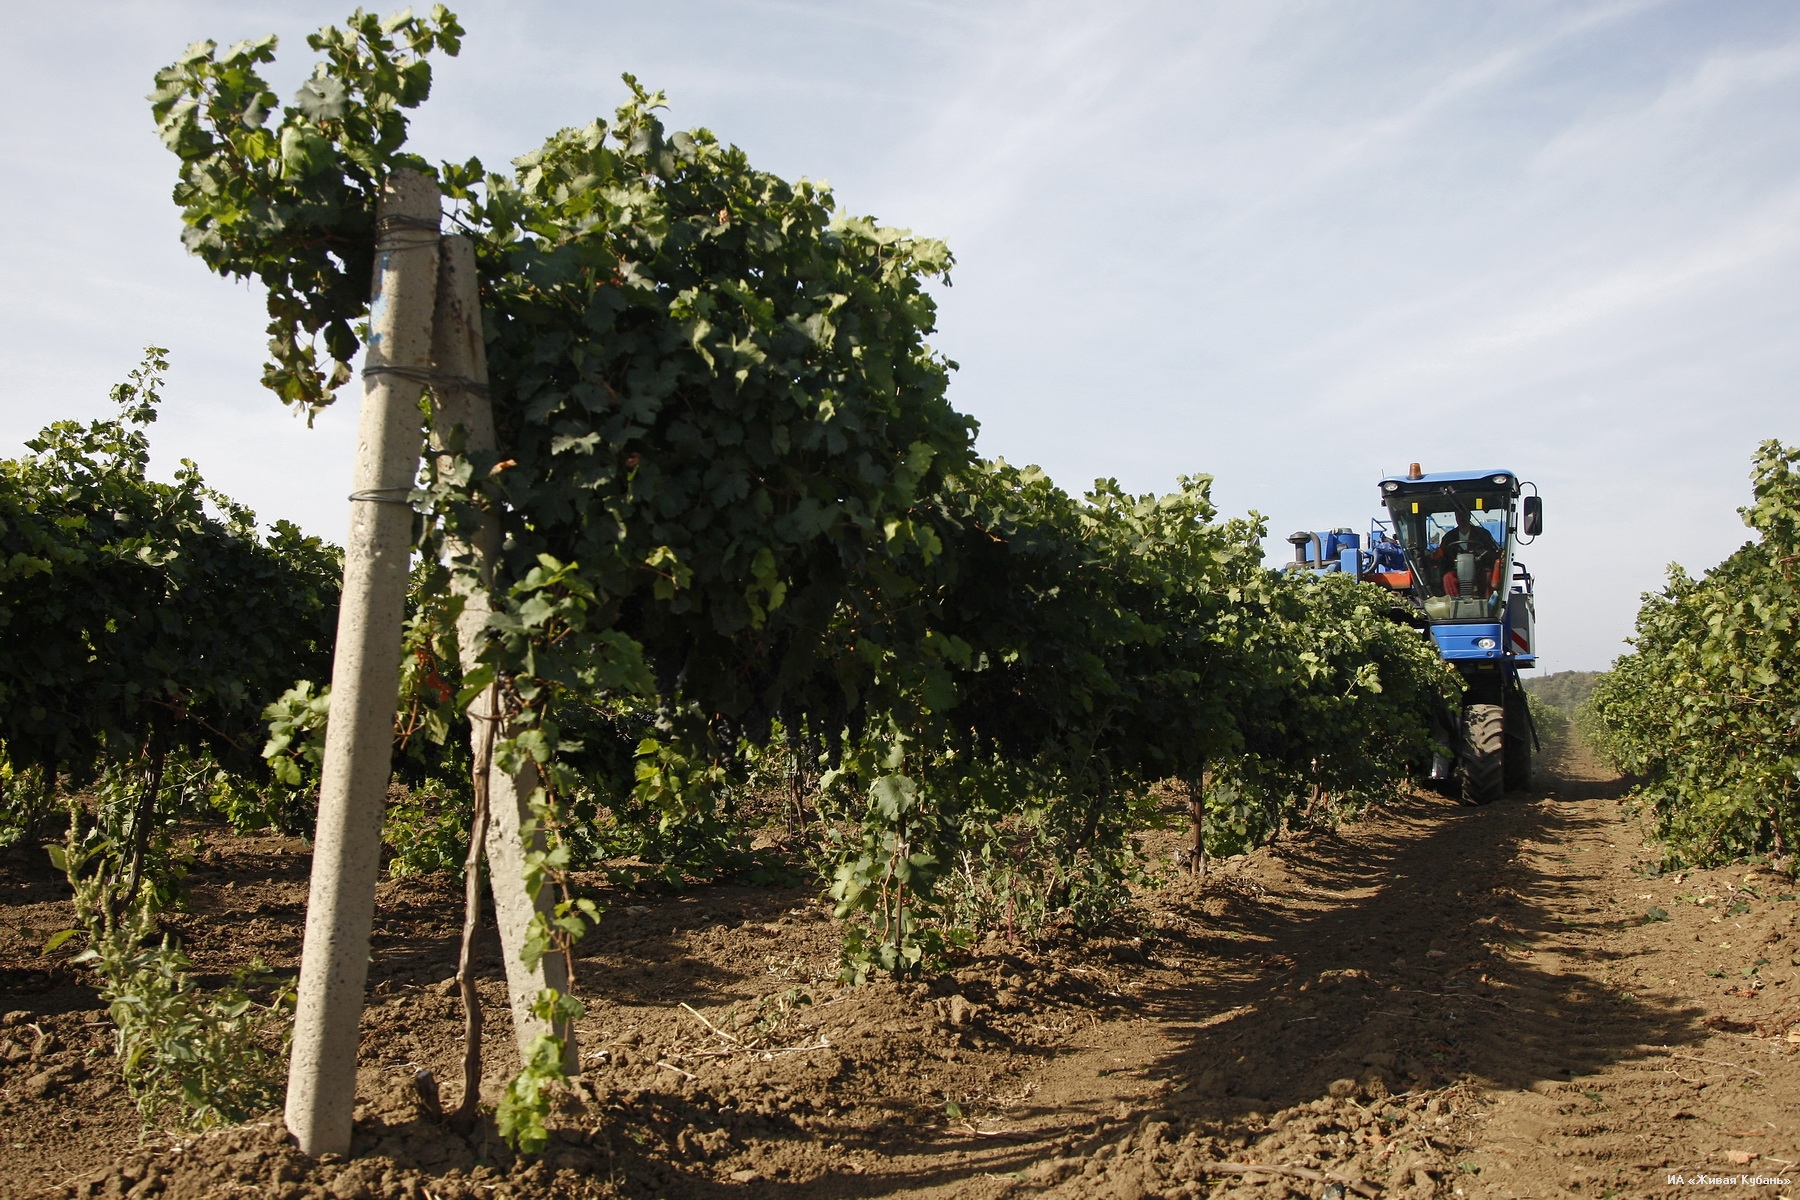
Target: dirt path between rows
(1438, 1001)
(1566, 1024)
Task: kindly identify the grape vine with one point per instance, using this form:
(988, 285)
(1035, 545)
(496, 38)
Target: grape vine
(1704, 706)
(144, 626)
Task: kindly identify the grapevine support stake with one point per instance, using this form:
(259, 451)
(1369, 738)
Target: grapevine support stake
(482, 735)
(334, 962)
(146, 815)
(1196, 793)
(502, 799)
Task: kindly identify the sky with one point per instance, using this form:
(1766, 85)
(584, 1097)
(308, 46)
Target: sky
(1294, 246)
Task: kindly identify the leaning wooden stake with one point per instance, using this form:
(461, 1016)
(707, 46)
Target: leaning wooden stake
(365, 673)
(464, 417)
(1196, 792)
(464, 1116)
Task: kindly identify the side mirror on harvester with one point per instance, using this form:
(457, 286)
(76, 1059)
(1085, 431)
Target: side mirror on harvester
(1534, 516)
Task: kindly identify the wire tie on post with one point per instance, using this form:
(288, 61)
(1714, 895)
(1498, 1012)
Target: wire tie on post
(418, 375)
(386, 227)
(374, 496)
(406, 221)
(430, 379)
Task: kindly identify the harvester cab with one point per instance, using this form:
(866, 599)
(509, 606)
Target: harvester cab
(1447, 552)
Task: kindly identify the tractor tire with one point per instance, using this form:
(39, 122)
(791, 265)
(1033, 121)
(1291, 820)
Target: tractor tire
(1482, 756)
(1518, 745)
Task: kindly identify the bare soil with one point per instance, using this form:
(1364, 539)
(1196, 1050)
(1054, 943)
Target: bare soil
(1436, 1001)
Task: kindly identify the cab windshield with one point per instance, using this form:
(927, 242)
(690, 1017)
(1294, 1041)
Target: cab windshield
(1456, 546)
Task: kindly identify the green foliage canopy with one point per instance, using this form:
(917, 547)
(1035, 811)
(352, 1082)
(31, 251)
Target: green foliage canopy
(1706, 706)
(733, 489)
(132, 609)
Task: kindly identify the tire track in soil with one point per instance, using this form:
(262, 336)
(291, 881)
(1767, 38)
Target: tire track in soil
(1469, 1002)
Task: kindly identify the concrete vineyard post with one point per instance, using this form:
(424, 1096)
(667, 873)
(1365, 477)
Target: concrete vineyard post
(334, 962)
(509, 807)
(465, 416)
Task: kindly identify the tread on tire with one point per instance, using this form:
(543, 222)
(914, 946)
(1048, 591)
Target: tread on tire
(1482, 754)
(1518, 747)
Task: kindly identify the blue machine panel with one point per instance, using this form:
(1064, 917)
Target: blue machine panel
(1449, 477)
(1465, 643)
(1339, 547)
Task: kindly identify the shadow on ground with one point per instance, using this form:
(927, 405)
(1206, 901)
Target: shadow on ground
(1427, 972)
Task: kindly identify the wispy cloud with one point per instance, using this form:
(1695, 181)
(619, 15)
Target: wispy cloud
(1620, 129)
(1475, 327)
(1482, 75)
